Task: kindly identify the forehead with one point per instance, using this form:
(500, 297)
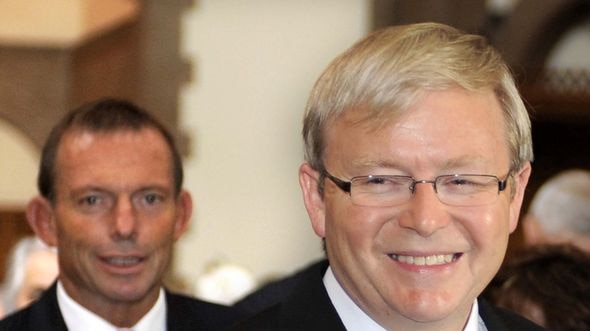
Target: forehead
(448, 127)
(82, 137)
(120, 155)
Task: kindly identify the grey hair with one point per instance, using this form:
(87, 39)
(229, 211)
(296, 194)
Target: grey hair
(385, 73)
(16, 269)
(563, 203)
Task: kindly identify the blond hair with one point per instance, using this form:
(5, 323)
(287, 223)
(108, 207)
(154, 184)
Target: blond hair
(385, 73)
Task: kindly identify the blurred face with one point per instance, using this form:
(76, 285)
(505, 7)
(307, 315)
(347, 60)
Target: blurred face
(115, 217)
(422, 262)
(40, 271)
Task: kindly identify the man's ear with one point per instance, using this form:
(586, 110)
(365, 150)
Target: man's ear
(184, 211)
(41, 218)
(521, 178)
(313, 199)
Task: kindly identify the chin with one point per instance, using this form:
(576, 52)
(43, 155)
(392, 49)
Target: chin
(429, 308)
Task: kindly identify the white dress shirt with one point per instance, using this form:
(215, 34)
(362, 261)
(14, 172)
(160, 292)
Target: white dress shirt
(78, 318)
(355, 319)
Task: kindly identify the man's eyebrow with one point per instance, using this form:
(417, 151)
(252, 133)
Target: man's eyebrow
(467, 160)
(461, 161)
(375, 163)
(155, 186)
(88, 188)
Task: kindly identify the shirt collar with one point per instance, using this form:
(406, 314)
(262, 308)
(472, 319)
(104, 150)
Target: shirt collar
(78, 318)
(355, 319)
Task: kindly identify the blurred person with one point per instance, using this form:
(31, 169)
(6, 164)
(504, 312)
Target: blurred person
(111, 201)
(560, 211)
(548, 284)
(31, 269)
(224, 283)
(2, 311)
(417, 155)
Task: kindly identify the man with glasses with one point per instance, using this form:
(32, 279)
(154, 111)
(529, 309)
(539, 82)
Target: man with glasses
(418, 151)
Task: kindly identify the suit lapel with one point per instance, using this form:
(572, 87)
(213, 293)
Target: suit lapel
(308, 307)
(490, 318)
(46, 314)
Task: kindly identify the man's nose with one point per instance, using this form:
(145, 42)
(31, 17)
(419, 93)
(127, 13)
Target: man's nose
(426, 214)
(125, 218)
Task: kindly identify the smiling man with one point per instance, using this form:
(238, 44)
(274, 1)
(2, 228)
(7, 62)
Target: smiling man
(112, 203)
(418, 153)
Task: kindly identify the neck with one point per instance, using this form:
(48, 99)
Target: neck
(118, 311)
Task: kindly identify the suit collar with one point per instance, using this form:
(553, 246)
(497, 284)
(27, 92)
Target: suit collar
(48, 315)
(308, 306)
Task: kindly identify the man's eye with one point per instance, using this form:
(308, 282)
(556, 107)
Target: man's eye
(458, 182)
(376, 180)
(464, 182)
(94, 203)
(90, 200)
(390, 182)
(152, 198)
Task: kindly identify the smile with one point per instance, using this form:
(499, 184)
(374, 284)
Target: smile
(123, 261)
(428, 260)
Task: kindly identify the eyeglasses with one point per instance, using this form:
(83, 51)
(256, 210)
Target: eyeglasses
(453, 190)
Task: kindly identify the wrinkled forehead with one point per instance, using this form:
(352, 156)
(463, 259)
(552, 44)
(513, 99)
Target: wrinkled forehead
(374, 117)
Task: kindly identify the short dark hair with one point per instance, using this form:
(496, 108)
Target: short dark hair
(555, 278)
(104, 115)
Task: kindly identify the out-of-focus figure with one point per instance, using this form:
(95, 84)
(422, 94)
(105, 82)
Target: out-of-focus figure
(560, 211)
(2, 312)
(548, 284)
(111, 201)
(32, 268)
(224, 283)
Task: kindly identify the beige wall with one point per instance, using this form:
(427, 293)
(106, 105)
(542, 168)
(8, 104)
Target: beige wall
(60, 23)
(18, 167)
(254, 64)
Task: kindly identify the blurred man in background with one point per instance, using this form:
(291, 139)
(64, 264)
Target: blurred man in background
(31, 269)
(560, 211)
(111, 201)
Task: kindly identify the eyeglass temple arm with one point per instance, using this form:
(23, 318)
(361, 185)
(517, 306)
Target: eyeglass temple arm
(344, 186)
(502, 184)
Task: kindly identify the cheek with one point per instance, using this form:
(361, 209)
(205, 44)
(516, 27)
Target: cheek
(486, 228)
(72, 224)
(159, 234)
(353, 226)
(77, 234)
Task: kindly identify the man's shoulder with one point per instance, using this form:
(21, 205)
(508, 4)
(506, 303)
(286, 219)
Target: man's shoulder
(303, 305)
(16, 321)
(294, 315)
(34, 318)
(42, 314)
(263, 321)
(192, 313)
(278, 290)
(182, 302)
(497, 318)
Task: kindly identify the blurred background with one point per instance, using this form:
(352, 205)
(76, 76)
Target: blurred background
(231, 78)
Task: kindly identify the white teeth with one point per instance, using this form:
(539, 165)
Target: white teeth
(123, 261)
(424, 260)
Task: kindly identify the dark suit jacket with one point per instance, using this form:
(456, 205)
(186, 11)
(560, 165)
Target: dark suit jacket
(184, 313)
(308, 307)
